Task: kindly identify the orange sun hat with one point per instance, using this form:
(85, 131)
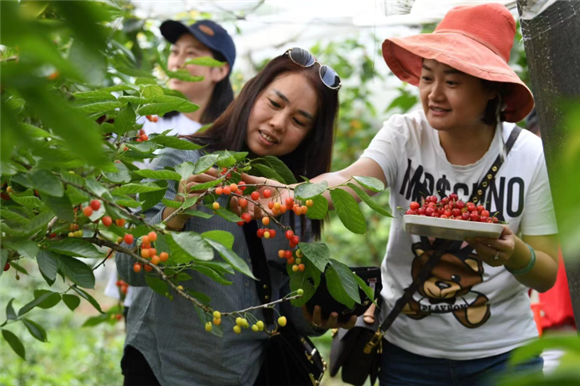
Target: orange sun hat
(476, 40)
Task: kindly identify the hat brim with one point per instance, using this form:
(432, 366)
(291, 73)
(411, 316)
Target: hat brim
(172, 30)
(404, 56)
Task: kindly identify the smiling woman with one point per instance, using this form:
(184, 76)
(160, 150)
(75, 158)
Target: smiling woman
(286, 111)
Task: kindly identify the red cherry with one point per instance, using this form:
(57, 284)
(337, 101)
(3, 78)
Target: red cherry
(411, 211)
(295, 240)
(460, 204)
(246, 217)
(465, 215)
(242, 202)
(485, 213)
(456, 212)
(267, 193)
(107, 221)
(453, 196)
(96, 204)
(260, 233)
(421, 211)
(240, 185)
(129, 238)
(474, 216)
(6, 267)
(240, 223)
(415, 205)
(272, 233)
(227, 190)
(88, 211)
(429, 211)
(255, 195)
(480, 208)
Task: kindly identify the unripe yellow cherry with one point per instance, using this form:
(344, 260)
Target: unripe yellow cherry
(208, 326)
(237, 329)
(217, 315)
(282, 321)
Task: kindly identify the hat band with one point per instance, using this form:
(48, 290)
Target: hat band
(490, 46)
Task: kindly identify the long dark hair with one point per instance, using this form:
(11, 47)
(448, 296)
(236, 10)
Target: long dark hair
(221, 97)
(313, 156)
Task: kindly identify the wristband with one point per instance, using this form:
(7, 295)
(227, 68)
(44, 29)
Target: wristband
(527, 268)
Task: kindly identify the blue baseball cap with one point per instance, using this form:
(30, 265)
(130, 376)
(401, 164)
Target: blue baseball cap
(208, 32)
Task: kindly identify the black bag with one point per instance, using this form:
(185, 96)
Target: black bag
(290, 357)
(358, 350)
(370, 275)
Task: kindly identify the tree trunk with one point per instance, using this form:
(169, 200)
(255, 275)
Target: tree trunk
(551, 32)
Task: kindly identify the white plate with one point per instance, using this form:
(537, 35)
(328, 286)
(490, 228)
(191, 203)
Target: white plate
(449, 229)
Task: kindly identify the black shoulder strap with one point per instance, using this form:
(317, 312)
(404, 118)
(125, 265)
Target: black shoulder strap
(490, 175)
(259, 267)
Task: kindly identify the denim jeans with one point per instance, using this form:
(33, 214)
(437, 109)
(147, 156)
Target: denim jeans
(400, 367)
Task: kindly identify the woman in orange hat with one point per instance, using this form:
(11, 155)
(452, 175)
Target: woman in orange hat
(468, 316)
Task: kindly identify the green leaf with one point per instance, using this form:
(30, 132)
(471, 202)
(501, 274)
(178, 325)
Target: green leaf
(126, 201)
(205, 61)
(222, 237)
(49, 302)
(159, 175)
(212, 274)
(308, 281)
(19, 268)
(188, 246)
(95, 96)
(232, 258)
(227, 215)
(369, 201)
(46, 182)
(61, 206)
(225, 159)
(95, 187)
(135, 188)
(96, 320)
(175, 143)
(164, 104)
(101, 107)
(157, 285)
(171, 203)
(30, 305)
(281, 168)
(151, 91)
(185, 170)
(15, 343)
(76, 247)
(183, 75)
(370, 183)
(318, 254)
(204, 163)
(47, 263)
(87, 297)
(199, 296)
(152, 198)
(309, 190)
(363, 285)
(35, 330)
(198, 213)
(119, 87)
(10, 313)
(72, 178)
(122, 175)
(268, 172)
(207, 185)
(134, 72)
(341, 284)
(27, 201)
(77, 271)
(26, 248)
(182, 276)
(319, 208)
(219, 266)
(348, 211)
(71, 301)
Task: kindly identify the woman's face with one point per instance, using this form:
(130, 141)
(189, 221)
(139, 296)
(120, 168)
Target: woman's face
(452, 100)
(282, 116)
(188, 47)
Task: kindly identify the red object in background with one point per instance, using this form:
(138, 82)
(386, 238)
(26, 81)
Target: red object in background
(556, 302)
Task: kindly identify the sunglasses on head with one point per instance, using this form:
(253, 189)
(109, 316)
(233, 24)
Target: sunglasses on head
(305, 59)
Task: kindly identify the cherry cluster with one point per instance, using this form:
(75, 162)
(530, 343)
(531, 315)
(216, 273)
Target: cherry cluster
(451, 208)
(147, 252)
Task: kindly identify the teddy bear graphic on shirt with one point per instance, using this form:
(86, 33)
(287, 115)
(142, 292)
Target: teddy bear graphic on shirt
(448, 288)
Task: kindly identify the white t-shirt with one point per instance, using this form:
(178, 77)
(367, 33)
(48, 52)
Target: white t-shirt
(179, 125)
(485, 311)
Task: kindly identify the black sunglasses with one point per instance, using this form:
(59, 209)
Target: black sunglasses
(305, 59)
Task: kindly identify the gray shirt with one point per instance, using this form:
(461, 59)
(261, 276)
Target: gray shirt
(170, 334)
